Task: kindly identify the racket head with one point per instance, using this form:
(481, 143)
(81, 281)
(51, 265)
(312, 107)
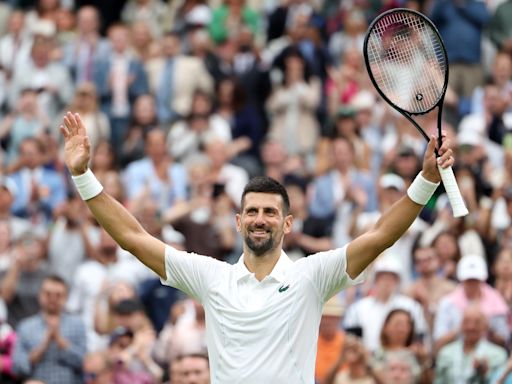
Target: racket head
(406, 61)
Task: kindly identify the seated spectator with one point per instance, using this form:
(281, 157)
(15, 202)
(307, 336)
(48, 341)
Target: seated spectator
(143, 41)
(67, 238)
(397, 336)
(85, 102)
(188, 136)
(430, 286)
(18, 226)
(352, 366)
(292, 106)
(7, 342)
(502, 269)
(472, 289)
(51, 344)
(39, 190)
(103, 159)
(135, 356)
(21, 283)
(398, 370)
(447, 247)
(331, 338)
(143, 119)
(157, 175)
(233, 177)
(26, 120)
(367, 315)
(96, 368)
(150, 12)
(205, 219)
(189, 334)
(309, 235)
(190, 369)
(111, 293)
(230, 18)
(471, 358)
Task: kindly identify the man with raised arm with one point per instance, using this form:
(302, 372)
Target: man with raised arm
(262, 313)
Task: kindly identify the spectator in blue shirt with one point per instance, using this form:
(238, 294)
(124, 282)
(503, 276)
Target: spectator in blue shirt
(51, 344)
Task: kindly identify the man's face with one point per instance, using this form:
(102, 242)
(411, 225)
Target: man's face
(262, 223)
(52, 297)
(473, 325)
(194, 370)
(426, 261)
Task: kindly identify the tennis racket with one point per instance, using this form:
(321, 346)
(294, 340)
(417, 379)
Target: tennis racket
(407, 63)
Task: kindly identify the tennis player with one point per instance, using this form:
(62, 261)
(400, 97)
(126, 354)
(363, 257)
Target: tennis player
(262, 313)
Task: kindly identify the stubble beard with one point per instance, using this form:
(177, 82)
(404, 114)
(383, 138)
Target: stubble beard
(259, 248)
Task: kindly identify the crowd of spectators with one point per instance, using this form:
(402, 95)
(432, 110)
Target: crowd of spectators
(184, 101)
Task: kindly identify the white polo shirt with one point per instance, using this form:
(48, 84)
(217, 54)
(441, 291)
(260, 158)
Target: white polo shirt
(260, 331)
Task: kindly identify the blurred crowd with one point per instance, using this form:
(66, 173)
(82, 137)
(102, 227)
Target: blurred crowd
(184, 101)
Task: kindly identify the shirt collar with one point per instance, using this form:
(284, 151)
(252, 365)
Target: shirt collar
(278, 273)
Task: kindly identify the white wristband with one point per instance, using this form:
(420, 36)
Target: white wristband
(421, 190)
(87, 185)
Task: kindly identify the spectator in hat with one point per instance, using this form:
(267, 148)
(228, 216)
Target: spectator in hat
(367, 315)
(471, 358)
(330, 338)
(472, 289)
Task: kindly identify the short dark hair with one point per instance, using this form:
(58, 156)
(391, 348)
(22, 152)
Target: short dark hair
(265, 184)
(57, 279)
(196, 355)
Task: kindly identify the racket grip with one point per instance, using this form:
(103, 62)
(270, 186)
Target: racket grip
(452, 190)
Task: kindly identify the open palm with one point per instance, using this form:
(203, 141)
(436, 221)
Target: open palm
(77, 148)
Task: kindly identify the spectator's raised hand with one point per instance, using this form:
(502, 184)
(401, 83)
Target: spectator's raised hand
(77, 148)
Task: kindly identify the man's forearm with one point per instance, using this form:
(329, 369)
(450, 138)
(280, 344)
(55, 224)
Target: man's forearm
(126, 231)
(388, 229)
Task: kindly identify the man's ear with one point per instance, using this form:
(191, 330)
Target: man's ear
(238, 220)
(288, 224)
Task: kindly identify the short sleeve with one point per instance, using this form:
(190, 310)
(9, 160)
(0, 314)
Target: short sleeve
(327, 271)
(191, 273)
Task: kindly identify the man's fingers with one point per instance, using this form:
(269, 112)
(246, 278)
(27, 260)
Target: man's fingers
(80, 125)
(431, 146)
(445, 146)
(446, 159)
(64, 131)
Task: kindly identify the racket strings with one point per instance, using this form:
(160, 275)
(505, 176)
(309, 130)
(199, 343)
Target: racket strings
(407, 61)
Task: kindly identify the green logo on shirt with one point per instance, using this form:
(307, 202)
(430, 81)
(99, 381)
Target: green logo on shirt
(282, 288)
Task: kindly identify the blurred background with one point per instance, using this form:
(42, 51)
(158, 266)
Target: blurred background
(184, 101)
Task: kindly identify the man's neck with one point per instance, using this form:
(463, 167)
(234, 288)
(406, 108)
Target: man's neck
(383, 297)
(357, 371)
(469, 346)
(262, 265)
(429, 279)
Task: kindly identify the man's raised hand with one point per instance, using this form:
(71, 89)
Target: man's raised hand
(77, 148)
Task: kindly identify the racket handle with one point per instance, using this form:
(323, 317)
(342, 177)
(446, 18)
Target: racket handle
(453, 192)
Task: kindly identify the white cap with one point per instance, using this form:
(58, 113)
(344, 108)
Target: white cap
(391, 180)
(469, 137)
(363, 100)
(387, 263)
(472, 267)
(199, 15)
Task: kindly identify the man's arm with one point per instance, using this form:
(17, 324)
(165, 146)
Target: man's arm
(109, 213)
(397, 219)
